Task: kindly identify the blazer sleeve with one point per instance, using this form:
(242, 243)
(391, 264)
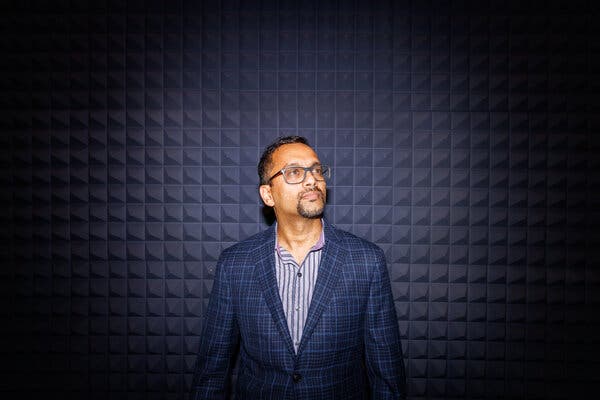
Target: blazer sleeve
(383, 350)
(218, 341)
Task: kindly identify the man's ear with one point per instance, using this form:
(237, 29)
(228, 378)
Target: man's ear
(265, 194)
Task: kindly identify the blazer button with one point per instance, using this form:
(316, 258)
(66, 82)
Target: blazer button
(297, 378)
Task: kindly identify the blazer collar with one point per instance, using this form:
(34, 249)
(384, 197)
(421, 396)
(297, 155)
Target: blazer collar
(264, 259)
(330, 269)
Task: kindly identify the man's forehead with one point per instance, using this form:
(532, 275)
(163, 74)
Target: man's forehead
(295, 153)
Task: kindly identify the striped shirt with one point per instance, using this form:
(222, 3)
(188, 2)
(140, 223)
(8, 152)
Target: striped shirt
(296, 284)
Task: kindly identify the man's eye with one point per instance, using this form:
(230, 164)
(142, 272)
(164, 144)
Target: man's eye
(317, 170)
(294, 171)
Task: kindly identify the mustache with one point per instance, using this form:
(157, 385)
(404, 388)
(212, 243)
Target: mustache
(312, 189)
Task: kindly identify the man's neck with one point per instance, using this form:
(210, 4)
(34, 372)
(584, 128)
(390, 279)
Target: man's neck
(298, 237)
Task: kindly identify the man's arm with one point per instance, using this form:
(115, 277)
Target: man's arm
(382, 338)
(218, 341)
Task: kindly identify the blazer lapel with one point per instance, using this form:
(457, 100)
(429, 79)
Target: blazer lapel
(330, 270)
(265, 275)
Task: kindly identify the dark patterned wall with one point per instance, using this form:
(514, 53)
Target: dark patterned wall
(463, 138)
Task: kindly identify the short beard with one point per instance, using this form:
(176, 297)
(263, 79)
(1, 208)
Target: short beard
(311, 214)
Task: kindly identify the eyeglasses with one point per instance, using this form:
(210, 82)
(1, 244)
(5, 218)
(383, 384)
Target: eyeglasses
(296, 174)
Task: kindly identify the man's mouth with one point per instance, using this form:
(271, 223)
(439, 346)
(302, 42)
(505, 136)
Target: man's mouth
(311, 195)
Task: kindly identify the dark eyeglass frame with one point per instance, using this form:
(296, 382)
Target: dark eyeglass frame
(326, 173)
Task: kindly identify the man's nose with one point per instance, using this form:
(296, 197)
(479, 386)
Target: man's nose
(309, 179)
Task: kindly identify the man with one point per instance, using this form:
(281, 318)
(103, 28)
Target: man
(309, 306)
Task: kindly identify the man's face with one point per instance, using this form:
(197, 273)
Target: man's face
(306, 199)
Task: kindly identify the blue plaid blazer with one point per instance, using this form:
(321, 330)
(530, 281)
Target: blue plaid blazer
(350, 348)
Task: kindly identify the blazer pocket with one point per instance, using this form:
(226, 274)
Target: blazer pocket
(347, 308)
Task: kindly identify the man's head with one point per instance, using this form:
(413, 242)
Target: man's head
(292, 179)
(266, 159)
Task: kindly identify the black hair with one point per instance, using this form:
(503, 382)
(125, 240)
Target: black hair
(267, 156)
